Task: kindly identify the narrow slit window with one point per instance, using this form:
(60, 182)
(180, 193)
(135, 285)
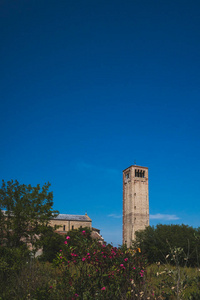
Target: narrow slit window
(127, 175)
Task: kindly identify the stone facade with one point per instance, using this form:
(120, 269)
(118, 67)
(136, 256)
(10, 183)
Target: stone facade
(135, 202)
(68, 222)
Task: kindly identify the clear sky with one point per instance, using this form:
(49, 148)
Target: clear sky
(87, 88)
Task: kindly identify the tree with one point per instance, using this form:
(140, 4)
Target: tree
(51, 242)
(157, 242)
(25, 212)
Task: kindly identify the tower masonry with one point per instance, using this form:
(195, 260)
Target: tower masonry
(135, 202)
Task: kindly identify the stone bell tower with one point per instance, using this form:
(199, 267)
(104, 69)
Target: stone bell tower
(135, 202)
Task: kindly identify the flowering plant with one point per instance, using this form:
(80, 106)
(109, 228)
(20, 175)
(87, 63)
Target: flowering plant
(96, 271)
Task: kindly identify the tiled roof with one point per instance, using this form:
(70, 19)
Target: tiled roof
(73, 217)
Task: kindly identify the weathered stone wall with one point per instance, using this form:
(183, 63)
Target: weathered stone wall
(135, 202)
(69, 225)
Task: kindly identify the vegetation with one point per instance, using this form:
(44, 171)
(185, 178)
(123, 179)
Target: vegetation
(85, 269)
(157, 242)
(25, 212)
(163, 263)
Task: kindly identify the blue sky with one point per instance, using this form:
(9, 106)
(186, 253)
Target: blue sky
(89, 87)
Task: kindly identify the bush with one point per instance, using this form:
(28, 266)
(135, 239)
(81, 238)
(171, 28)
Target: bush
(91, 270)
(156, 243)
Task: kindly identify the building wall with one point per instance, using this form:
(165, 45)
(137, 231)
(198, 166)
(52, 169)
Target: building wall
(135, 202)
(69, 225)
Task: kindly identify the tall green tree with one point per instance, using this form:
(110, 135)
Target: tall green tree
(157, 242)
(25, 212)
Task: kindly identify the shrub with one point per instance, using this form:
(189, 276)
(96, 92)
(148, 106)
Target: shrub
(91, 270)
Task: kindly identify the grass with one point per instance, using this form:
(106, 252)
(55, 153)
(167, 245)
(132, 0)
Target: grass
(172, 282)
(36, 282)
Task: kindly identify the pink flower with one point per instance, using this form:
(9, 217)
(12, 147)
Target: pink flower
(121, 265)
(88, 253)
(103, 288)
(65, 242)
(83, 232)
(60, 257)
(60, 250)
(83, 259)
(68, 237)
(76, 295)
(125, 259)
(50, 287)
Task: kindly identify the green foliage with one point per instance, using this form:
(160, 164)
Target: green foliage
(157, 242)
(12, 261)
(24, 212)
(174, 282)
(51, 242)
(86, 270)
(91, 270)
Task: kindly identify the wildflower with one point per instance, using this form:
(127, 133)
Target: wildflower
(88, 254)
(76, 295)
(68, 237)
(139, 250)
(50, 287)
(65, 242)
(125, 259)
(60, 257)
(103, 288)
(83, 232)
(121, 265)
(60, 250)
(83, 259)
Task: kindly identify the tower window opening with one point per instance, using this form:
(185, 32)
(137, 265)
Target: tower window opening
(127, 175)
(63, 227)
(136, 173)
(139, 173)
